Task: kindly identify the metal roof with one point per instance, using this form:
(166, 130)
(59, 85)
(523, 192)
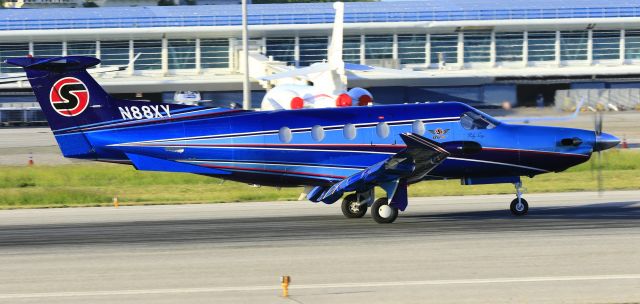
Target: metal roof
(312, 13)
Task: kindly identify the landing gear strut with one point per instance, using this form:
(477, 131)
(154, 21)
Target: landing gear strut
(352, 208)
(382, 212)
(519, 205)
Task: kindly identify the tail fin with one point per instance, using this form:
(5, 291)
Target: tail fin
(71, 99)
(68, 95)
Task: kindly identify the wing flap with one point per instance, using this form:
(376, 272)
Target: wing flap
(411, 164)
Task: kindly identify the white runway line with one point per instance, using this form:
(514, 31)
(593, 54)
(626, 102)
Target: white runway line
(320, 286)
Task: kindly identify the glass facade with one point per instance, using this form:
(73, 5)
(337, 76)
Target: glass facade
(313, 49)
(444, 47)
(11, 50)
(114, 52)
(47, 49)
(214, 53)
(573, 45)
(81, 48)
(509, 46)
(282, 49)
(632, 44)
(606, 45)
(411, 48)
(182, 54)
(477, 47)
(378, 47)
(351, 49)
(150, 54)
(542, 46)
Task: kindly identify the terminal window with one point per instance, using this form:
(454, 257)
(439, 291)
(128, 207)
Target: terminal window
(541, 46)
(312, 49)
(411, 48)
(509, 46)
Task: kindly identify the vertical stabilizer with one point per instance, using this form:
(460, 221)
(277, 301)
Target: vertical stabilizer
(334, 80)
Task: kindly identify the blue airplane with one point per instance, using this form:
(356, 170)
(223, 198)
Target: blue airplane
(330, 151)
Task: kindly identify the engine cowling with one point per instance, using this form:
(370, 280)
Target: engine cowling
(360, 96)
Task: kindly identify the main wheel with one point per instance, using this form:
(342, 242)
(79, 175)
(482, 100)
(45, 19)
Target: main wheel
(351, 208)
(519, 208)
(382, 212)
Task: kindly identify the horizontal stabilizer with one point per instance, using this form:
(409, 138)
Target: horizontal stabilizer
(148, 163)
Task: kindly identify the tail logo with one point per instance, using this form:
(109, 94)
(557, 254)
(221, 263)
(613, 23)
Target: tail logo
(69, 96)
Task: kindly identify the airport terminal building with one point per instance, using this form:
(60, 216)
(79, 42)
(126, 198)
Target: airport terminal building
(487, 51)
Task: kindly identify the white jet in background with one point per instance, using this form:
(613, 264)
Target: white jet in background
(323, 84)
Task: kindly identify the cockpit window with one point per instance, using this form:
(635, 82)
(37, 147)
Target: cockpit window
(475, 121)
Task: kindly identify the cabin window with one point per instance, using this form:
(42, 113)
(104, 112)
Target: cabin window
(284, 134)
(317, 132)
(349, 131)
(475, 121)
(382, 129)
(417, 127)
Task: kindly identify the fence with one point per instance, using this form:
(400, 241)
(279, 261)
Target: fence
(601, 99)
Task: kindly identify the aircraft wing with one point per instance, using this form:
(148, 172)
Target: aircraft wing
(411, 164)
(301, 72)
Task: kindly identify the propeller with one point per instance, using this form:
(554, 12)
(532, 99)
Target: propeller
(598, 119)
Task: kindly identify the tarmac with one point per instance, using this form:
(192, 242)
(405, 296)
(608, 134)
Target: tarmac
(571, 248)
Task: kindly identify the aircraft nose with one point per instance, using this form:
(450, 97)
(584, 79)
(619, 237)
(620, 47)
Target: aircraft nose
(605, 141)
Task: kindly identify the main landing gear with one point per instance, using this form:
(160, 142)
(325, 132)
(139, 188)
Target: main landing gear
(519, 205)
(352, 208)
(355, 206)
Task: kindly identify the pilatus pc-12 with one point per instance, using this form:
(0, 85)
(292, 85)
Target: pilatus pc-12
(332, 151)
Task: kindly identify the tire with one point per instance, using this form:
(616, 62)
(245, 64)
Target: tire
(519, 209)
(378, 210)
(351, 208)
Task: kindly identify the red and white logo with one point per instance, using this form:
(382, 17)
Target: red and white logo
(69, 96)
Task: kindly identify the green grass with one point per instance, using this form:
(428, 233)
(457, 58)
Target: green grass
(96, 184)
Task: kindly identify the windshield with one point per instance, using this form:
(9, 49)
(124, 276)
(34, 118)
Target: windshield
(476, 121)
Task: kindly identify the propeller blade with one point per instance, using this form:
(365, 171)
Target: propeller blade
(598, 123)
(600, 181)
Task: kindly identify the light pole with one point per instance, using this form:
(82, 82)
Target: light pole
(246, 86)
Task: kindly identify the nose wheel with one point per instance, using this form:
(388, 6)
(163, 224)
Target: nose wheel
(519, 205)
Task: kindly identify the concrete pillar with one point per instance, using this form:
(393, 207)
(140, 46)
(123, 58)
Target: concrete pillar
(362, 50)
(198, 57)
(164, 55)
(623, 46)
(557, 49)
(131, 56)
(460, 49)
(427, 51)
(492, 50)
(296, 50)
(525, 49)
(234, 62)
(98, 53)
(394, 47)
(590, 47)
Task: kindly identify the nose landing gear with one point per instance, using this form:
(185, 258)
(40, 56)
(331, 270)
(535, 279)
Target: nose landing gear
(519, 205)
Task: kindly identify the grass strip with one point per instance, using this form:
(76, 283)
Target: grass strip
(96, 184)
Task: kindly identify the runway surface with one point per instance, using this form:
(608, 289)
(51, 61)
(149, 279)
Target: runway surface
(571, 248)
